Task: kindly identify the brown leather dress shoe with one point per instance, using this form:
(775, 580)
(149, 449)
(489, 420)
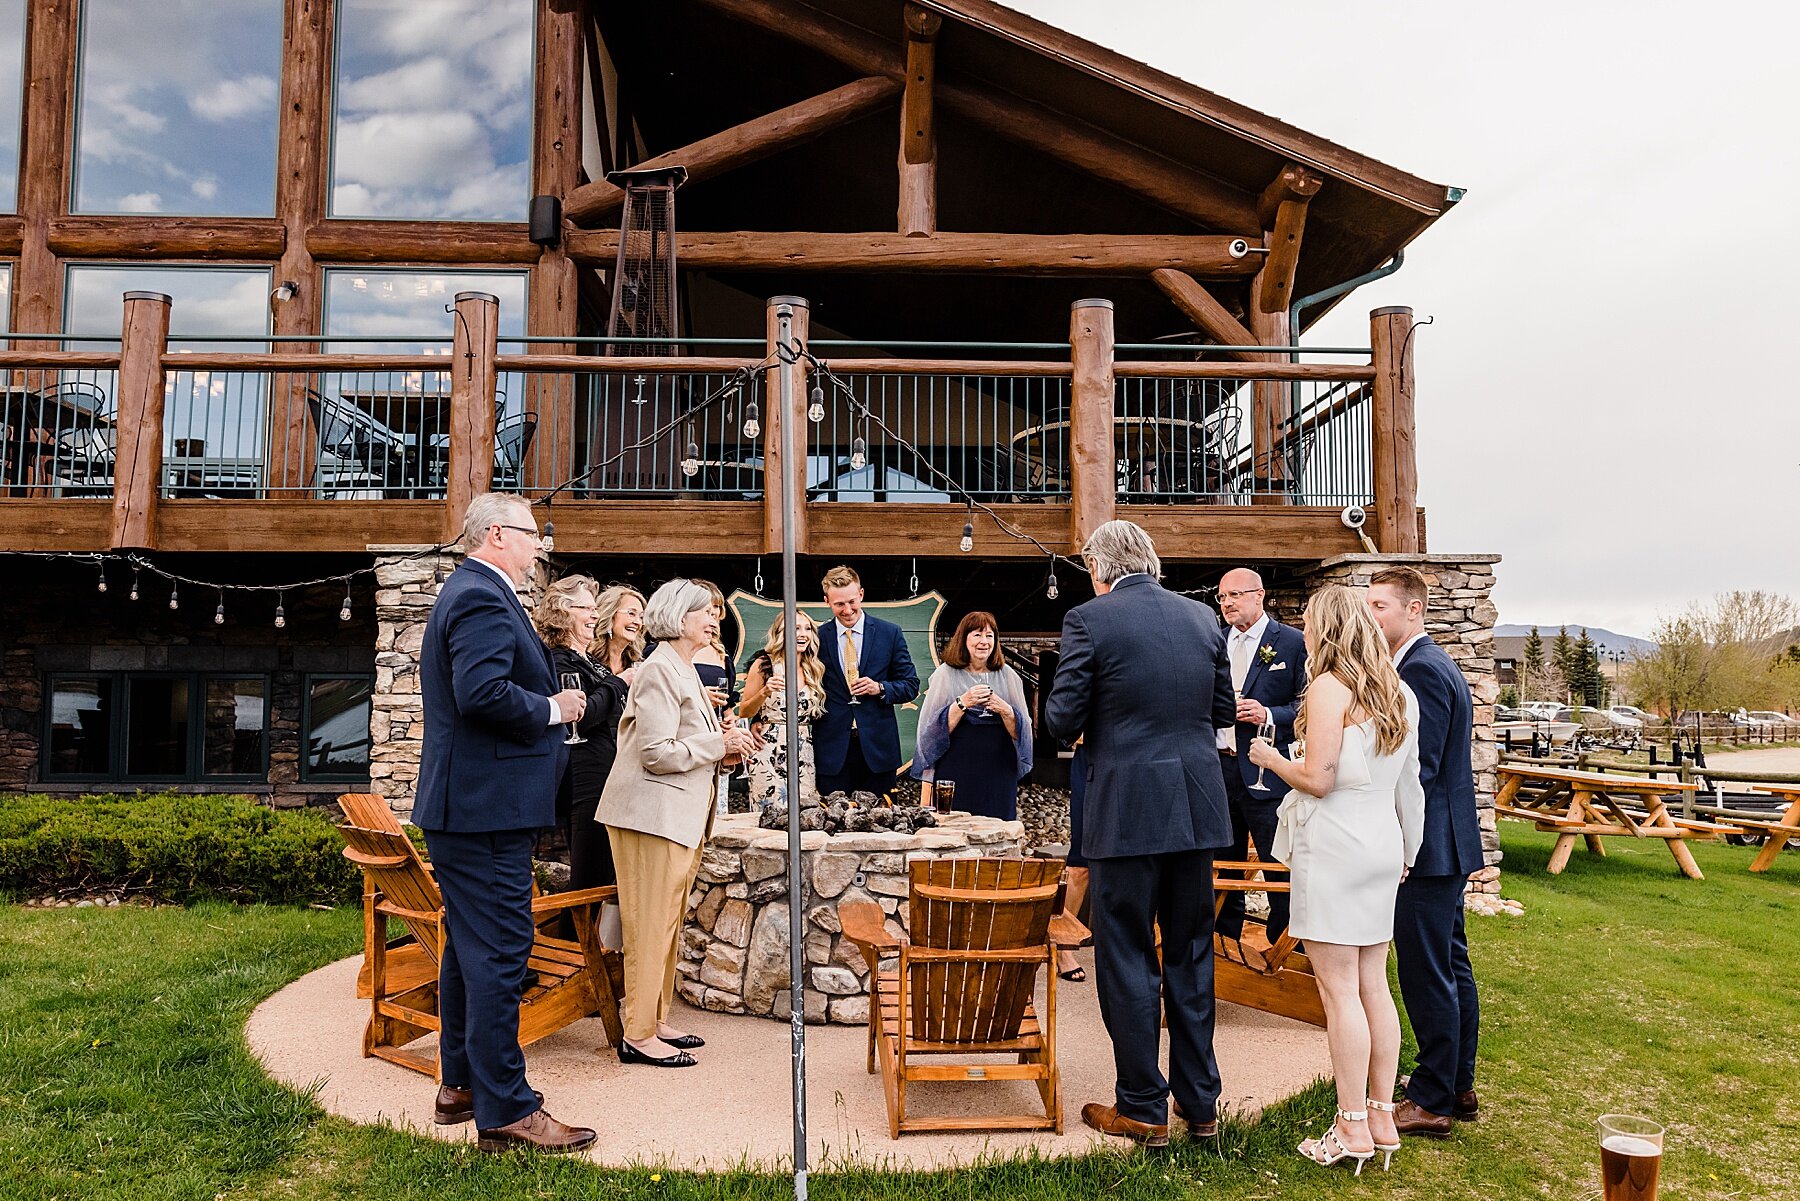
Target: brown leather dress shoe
(1468, 1107)
(1195, 1129)
(1106, 1119)
(1410, 1119)
(457, 1105)
(537, 1131)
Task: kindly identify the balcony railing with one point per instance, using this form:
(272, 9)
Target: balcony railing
(1095, 431)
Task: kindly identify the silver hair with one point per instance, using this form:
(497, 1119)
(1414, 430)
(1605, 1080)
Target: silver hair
(487, 510)
(1118, 549)
(670, 605)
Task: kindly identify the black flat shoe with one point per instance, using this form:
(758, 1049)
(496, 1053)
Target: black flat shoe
(630, 1054)
(1076, 974)
(686, 1042)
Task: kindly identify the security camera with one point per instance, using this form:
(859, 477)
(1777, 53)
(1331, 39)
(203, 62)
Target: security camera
(1238, 248)
(1353, 517)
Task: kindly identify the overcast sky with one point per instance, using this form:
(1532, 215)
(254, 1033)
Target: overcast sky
(1604, 396)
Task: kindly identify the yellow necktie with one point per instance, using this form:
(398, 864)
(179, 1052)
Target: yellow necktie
(849, 655)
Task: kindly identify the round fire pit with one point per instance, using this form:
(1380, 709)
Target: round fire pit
(734, 948)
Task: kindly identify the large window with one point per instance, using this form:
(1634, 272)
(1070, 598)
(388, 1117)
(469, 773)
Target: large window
(433, 104)
(157, 726)
(12, 99)
(409, 304)
(178, 106)
(334, 731)
(213, 422)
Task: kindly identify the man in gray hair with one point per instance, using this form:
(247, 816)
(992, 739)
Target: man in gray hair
(1145, 680)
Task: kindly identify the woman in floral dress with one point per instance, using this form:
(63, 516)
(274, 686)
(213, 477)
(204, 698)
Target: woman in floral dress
(765, 707)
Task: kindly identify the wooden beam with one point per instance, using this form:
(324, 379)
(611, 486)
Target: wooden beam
(918, 128)
(12, 234)
(299, 204)
(553, 301)
(293, 525)
(167, 237)
(1024, 254)
(138, 426)
(1282, 209)
(1234, 533)
(1200, 307)
(470, 470)
(44, 165)
(55, 524)
(1093, 472)
(420, 242)
(1179, 188)
(1294, 183)
(592, 203)
(895, 528)
(1392, 448)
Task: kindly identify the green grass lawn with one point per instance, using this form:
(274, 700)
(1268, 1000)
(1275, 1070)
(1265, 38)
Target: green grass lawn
(123, 1071)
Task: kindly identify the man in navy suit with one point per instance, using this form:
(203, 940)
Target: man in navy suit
(1431, 948)
(1144, 678)
(1268, 670)
(856, 747)
(493, 756)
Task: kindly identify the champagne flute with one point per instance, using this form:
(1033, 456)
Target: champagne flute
(851, 675)
(571, 681)
(1264, 730)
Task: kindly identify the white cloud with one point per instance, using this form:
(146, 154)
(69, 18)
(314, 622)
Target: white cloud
(204, 187)
(141, 202)
(420, 149)
(230, 99)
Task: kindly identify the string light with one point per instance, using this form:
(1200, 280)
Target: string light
(219, 613)
(859, 454)
(913, 584)
(690, 462)
(968, 539)
(548, 542)
(175, 594)
(752, 420)
(134, 583)
(815, 412)
(757, 587)
(102, 582)
(281, 610)
(344, 613)
(1050, 588)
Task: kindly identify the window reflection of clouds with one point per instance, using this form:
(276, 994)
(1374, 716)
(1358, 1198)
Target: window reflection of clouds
(224, 411)
(407, 305)
(433, 101)
(6, 302)
(178, 112)
(12, 98)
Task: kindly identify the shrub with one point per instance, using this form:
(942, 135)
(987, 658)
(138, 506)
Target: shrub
(171, 848)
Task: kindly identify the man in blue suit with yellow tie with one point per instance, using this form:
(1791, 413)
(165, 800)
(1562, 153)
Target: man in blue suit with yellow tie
(488, 775)
(1431, 948)
(868, 672)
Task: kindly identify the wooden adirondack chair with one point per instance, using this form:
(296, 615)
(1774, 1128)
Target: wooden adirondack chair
(964, 982)
(1275, 979)
(568, 979)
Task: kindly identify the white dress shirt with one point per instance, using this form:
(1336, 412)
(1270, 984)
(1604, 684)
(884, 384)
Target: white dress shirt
(1240, 647)
(556, 717)
(1407, 646)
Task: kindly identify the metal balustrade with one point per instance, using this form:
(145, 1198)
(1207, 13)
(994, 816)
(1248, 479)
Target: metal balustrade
(57, 431)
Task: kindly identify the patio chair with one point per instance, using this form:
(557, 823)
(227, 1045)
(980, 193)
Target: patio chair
(368, 452)
(963, 984)
(1292, 455)
(512, 439)
(568, 979)
(1275, 979)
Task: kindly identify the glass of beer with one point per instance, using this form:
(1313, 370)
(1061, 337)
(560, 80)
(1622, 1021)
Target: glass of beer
(1630, 1157)
(943, 795)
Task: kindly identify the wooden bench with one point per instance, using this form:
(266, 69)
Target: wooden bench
(1594, 805)
(1776, 834)
(1274, 978)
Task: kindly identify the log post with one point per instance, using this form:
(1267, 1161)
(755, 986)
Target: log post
(554, 298)
(918, 134)
(1093, 462)
(138, 426)
(44, 167)
(476, 331)
(1392, 446)
(777, 473)
(1269, 435)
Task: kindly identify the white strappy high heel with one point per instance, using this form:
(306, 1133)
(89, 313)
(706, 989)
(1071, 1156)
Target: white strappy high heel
(1387, 1149)
(1329, 1149)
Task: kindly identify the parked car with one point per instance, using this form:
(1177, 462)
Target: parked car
(1620, 719)
(1642, 717)
(1742, 718)
(1771, 718)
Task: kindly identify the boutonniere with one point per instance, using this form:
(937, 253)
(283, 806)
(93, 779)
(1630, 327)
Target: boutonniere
(1267, 653)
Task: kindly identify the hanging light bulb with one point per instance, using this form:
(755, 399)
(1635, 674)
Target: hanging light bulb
(219, 613)
(752, 420)
(174, 594)
(690, 460)
(859, 454)
(968, 539)
(134, 582)
(758, 585)
(547, 542)
(815, 411)
(1050, 588)
(101, 563)
(913, 584)
(344, 613)
(281, 610)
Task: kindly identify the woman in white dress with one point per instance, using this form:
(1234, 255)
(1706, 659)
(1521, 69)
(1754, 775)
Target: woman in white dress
(765, 707)
(1349, 831)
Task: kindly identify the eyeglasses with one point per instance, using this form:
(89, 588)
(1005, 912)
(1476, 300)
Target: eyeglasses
(523, 529)
(1241, 592)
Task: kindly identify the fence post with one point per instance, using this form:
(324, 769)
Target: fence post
(1392, 446)
(138, 428)
(1093, 463)
(777, 473)
(475, 331)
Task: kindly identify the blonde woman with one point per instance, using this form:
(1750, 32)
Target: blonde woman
(765, 705)
(1350, 830)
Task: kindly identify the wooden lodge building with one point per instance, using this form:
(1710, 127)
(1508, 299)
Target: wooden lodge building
(287, 281)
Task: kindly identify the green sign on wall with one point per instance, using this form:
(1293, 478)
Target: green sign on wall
(917, 619)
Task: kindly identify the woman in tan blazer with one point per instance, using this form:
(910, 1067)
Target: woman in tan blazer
(657, 808)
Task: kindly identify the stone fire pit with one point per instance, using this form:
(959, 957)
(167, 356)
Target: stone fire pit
(734, 948)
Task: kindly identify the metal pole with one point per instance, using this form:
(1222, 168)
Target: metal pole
(786, 351)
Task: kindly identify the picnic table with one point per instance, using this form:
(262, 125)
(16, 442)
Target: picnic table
(1776, 833)
(1594, 805)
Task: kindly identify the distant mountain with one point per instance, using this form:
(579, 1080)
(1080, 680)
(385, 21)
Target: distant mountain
(1613, 641)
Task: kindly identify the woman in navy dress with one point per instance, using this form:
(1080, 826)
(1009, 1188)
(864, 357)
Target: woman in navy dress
(975, 728)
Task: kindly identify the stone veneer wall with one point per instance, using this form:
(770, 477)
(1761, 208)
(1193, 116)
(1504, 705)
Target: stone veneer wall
(734, 948)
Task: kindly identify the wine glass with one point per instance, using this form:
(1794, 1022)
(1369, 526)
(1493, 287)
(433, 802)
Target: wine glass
(571, 680)
(1264, 729)
(851, 675)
